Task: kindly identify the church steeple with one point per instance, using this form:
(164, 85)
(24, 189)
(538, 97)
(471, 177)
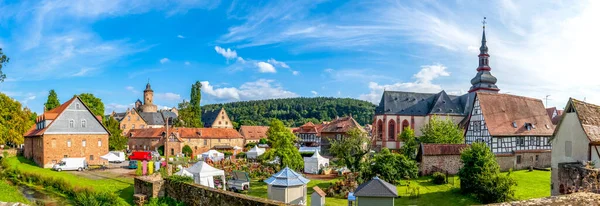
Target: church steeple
(484, 80)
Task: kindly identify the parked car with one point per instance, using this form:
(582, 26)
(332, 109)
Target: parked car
(119, 154)
(239, 182)
(133, 164)
(140, 156)
(78, 163)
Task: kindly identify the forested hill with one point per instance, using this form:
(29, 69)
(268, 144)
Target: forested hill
(296, 111)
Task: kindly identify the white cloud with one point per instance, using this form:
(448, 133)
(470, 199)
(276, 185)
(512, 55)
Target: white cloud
(314, 93)
(295, 72)
(227, 53)
(117, 107)
(132, 89)
(28, 98)
(278, 63)
(260, 89)
(422, 83)
(83, 72)
(168, 96)
(187, 63)
(328, 70)
(180, 36)
(164, 60)
(264, 67)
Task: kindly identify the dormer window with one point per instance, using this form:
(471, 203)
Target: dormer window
(83, 123)
(77, 106)
(71, 123)
(528, 126)
(514, 124)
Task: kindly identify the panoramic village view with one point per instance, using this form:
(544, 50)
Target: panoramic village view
(358, 103)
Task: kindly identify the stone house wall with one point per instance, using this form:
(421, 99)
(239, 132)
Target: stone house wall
(430, 164)
(131, 119)
(51, 148)
(534, 159)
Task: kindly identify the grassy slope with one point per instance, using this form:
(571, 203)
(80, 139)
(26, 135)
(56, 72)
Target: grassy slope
(10, 193)
(119, 185)
(530, 185)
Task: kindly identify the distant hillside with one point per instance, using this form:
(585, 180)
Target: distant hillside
(296, 111)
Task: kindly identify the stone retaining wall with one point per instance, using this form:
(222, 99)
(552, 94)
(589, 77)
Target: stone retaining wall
(582, 198)
(150, 187)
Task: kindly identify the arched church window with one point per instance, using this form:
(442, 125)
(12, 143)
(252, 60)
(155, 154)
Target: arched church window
(391, 130)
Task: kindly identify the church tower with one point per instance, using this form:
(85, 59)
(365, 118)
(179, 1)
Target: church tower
(484, 81)
(148, 98)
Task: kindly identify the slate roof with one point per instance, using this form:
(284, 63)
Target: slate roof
(209, 116)
(342, 125)
(501, 110)
(183, 132)
(287, 177)
(254, 132)
(441, 149)
(152, 118)
(589, 117)
(421, 104)
(376, 188)
(119, 116)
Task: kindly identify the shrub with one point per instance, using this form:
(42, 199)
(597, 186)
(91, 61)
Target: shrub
(438, 178)
(161, 150)
(480, 175)
(240, 155)
(164, 201)
(307, 154)
(187, 150)
(390, 167)
(89, 197)
(180, 179)
(227, 153)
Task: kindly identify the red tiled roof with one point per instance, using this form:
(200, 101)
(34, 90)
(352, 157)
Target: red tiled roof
(202, 133)
(558, 116)
(341, 125)
(254, 132)
(589, 117)
(442, 149)
(501, 110)
(51, 115)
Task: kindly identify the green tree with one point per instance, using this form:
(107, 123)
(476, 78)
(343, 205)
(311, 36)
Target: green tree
(282, 146)
(187, 150)
(94, 103)
(480, 175)
(52, 101)
(116, 140)
(441, 132)
(409, 149)
(3, 61)
(391, 167)
(14, 121)
(351, 149)
(195, 109)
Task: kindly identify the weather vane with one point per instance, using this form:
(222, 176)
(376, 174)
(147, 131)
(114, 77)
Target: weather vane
(484, 22)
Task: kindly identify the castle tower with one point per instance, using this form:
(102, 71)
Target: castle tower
(148, 100)
(484, 81)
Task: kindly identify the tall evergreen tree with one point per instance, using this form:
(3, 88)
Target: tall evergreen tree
(3, 60)
(52, 101)
(194, 106)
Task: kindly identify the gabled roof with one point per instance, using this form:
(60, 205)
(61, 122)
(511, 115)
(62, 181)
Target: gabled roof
(501, 110)
(53, 114)
(310, 128)
(152, 118)
(209, 116)
(421, 104)
(589, 117)
(376, 188)
(119, 116)
(287, 177)
(319, 191)
(442, 149)
(254, 132)
(551, 112)
(185, 133)
(342, 125)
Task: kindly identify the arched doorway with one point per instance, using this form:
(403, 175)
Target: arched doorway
(392, 130)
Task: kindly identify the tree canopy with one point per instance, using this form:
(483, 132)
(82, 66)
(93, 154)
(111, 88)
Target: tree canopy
(190, 113)
(441, 132)
(282, 145)
(391, 167)
(116, 140)
(351, 149)
(296, 111)
(480, 175)
(52, 101)
(94, 103)
(409, 149)
(14, 121)
(3, 61)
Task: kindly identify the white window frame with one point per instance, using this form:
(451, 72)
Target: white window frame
(69, 143)
(99, 143)
(71, 123)
(83, 143)
(83, 123)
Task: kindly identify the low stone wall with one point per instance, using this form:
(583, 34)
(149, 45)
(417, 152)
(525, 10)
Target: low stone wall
(533, 159)
(192, 194)
(440, 163)
(582, 198)
(10, 152)
(152, 186)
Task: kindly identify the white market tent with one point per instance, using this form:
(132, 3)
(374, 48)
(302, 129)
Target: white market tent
(313, 164)
(203, 174)
(255, 152)
(214, 155)
(110, 157)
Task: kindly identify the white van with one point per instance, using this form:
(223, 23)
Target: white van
(77, 163)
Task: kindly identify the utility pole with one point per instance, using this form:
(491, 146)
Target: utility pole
(166, 152)
(547, 100)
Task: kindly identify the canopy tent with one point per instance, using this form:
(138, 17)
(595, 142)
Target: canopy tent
(203, 174)
(214, 155)
(255, 152)
(313, 164)
(110, 157)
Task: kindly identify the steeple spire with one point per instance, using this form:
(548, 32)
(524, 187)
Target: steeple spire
(484, 80)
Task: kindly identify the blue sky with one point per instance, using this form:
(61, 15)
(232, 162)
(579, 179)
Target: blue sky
(245, 50)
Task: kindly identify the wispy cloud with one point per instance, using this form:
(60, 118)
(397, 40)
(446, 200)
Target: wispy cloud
(187, 63)
(168, 96)
(83, 72)
(180, 36)
(315, 93)
(227, 53)
(164, 60)
(264, 67)
(260, 89)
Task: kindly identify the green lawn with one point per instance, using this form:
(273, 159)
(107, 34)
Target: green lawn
(10, 193)
(533, 184)
(104, 182)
